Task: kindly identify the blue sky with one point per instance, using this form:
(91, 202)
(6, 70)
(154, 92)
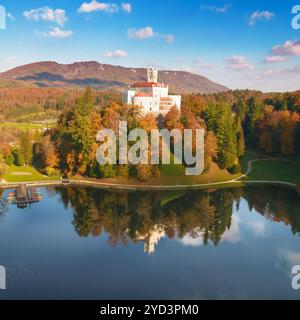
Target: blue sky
(238, 43)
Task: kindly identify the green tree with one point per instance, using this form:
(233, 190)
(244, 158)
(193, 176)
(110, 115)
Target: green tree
(9, 159)
(240, 146)
(254, 114)
(240, 108)
(26, 148)
(297, 138)
(77, 130)
(219, 118)
(19, 159)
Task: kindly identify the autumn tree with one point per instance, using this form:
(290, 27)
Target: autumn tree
(76, 132)
(47, 151)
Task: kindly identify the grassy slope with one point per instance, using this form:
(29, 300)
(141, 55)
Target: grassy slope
(23, 126)
(31, 174)
(175, 174)
(275, 170)
(271, 169)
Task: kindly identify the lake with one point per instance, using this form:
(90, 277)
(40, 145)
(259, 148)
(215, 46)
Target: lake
(93, 244)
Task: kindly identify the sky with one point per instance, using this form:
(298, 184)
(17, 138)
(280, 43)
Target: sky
(237, 43)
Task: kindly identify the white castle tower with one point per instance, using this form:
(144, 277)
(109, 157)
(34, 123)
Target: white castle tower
(152, 74)
(152, 95)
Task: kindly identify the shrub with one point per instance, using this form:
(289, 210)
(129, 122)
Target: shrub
(51, 171)
(9, 159)
(235, 169)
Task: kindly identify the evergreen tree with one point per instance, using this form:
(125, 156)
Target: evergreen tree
(240, 146)
(26, 148)
(297, 138)
(240, 108)
(255, 113)
(19, 159)
(219, 118)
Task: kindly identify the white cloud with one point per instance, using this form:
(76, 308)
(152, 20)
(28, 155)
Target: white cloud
(169, 38)
(10, 16)
(115, 54)
(56, 33)
(192, 242)
(198, 66)
(148, 32)
(274, 59)
(216, 9)
(295, 70)
(11, 59)
(289, 48)
(46, 14)
(141, 34)
(233, 234)
(260, 15)
(94, 5)
(127, 7)
(258, 227)
(291, 257)
(268, 72)
(237, 62)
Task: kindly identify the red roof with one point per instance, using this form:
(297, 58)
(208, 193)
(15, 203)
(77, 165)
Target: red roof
(143, 94)
(147, 84)
(166, 99)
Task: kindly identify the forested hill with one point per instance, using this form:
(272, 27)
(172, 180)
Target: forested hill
(104, 77)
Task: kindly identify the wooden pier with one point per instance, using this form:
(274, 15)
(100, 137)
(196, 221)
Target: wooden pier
(24, 195)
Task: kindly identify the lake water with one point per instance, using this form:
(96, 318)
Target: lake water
(93, 244)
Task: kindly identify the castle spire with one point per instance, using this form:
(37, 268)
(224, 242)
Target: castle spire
(152, 74)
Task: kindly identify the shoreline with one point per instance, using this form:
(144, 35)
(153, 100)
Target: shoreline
(144, 187)
(140, 187)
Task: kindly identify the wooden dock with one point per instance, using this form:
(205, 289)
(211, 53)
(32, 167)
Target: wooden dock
(24, 195)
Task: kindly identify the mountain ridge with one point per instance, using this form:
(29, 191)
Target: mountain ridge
(104, 76)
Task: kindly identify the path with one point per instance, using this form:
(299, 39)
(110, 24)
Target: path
(107, 185)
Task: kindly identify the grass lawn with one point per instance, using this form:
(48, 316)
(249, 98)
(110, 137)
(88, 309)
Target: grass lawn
(269, 170)
(25, 174)
(247, 157)
(175, 174)
(24, 126)
(275, 170)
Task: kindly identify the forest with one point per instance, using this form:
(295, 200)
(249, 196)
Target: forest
(233, 121)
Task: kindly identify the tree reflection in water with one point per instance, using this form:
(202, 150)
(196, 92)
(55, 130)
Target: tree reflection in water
(3, 206)
(148, 216)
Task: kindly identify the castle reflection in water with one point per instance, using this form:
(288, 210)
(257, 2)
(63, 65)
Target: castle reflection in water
(194, 218)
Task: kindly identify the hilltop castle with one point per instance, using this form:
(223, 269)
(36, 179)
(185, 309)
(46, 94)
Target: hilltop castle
(152, 95)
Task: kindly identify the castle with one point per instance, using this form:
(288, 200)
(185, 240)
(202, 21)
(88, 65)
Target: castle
(152, 95)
